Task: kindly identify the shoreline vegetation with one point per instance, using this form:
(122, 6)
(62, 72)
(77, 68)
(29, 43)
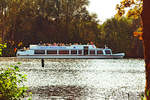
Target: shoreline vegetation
(11, 83)
(54, 21)
(8, 50)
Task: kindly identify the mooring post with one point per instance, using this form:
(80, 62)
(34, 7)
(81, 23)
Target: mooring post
(42, 62)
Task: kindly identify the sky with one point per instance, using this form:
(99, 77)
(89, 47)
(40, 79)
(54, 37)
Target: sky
(103, 8)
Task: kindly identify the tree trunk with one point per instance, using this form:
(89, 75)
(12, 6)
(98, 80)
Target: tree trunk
(146, 43)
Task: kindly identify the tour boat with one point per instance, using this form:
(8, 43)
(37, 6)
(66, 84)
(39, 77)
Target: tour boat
(72, 51)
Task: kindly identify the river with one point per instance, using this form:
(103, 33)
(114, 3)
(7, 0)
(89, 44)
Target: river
(83, 79)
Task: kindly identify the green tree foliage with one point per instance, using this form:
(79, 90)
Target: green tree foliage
(118, 34)
(11, 83)
(31, 21)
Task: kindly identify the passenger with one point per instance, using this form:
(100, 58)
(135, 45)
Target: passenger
(74, 44)
(70, 44)
(66, 44)
(40, 43)
(63, 44)
(60, 44)
(24, 48)
(15, 49)
(54, 44)
(44, 44)
(91, 43)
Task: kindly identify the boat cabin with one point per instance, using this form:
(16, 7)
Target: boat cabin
(65, 50)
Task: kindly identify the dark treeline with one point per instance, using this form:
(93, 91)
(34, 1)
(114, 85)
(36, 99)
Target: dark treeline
(64, 21)
(118, 34)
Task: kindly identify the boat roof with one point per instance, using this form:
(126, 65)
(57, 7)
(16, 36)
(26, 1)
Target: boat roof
(41, 47)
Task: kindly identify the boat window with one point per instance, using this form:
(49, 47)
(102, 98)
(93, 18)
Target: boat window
(86, 47)
(80, 52)
(51, 51)
(39, 52)
(107, 51)
(63, 51)
(99, 52)
(73, 51)
(92, 51)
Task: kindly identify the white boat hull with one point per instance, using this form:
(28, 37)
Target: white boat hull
(114, 56)
(68, 52)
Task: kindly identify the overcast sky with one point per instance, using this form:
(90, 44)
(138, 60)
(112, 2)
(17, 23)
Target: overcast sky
(103, 8)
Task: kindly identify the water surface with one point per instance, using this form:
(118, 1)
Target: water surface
(83, 79)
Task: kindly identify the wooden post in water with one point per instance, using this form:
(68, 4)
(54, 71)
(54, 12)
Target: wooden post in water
(42, 62)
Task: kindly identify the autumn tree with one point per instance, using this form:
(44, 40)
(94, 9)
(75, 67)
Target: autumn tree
(136, 7)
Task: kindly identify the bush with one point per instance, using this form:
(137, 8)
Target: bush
(11, 83)
(8, 52)
(2, 46)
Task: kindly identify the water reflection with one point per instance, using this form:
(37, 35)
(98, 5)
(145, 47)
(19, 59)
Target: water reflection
(83, 79)
(60, 92)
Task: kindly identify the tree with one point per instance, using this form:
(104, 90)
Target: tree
(145, 35)
(31, 21)
(135, 8)
(146, 42)
(118, 34)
